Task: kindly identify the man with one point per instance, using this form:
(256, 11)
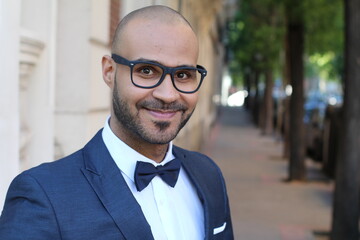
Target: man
(129, 181)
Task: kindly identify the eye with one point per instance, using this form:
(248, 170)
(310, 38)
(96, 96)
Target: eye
(185, 74)
(182, 75)
(146, 71)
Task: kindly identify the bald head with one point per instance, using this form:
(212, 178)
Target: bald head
(158, 13)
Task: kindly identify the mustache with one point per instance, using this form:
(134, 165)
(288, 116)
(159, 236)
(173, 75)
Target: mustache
(160, 105)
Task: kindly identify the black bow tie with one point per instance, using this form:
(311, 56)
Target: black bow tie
(145, 172)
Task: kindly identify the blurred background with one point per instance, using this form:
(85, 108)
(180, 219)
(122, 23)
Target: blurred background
(283, 61)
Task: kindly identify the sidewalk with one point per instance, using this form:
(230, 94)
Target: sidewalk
(263, 205)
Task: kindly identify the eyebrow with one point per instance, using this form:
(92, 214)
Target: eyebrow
(157, 62)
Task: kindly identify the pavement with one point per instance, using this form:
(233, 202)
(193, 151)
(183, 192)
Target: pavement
(264, 206)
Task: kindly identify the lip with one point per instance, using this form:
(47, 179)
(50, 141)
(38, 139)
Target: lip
(165, 115)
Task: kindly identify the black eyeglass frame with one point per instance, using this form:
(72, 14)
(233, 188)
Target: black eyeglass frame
(166, 70)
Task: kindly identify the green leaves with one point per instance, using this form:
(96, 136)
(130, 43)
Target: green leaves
(256, 34)
(324, 20)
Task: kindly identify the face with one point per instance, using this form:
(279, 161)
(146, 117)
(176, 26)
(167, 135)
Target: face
(153, 115)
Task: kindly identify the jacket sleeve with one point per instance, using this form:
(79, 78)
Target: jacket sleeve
(27, 212)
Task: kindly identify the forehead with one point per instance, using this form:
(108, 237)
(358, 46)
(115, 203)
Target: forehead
(170, 44)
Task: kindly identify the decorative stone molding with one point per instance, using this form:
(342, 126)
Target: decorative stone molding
(31, 47)
(58, 151)
(25, 138)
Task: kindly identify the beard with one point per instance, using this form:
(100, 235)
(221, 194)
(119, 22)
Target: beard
(133, 124)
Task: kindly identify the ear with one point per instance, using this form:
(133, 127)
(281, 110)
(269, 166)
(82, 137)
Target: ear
(108, 70)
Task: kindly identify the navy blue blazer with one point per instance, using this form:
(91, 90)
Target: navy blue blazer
(84, 196)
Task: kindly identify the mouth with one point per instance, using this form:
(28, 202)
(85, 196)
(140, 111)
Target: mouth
(161, 111)
(162, 114)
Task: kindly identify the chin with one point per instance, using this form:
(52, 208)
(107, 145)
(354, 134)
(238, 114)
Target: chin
(161, 137)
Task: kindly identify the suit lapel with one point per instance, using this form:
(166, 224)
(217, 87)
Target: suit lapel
(108, 183)
(195, 173)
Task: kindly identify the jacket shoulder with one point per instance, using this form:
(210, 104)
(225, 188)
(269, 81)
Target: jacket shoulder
(197, 159)
(67, 164)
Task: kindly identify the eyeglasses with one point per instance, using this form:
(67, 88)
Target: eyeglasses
(148, 74)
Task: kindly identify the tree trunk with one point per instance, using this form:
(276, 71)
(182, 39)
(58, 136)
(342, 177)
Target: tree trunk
(255, 110)
(261, 114)
(297, 170)
(247, 78)
(268, 104)
(345, 223)
(286, 149)
(286, 100)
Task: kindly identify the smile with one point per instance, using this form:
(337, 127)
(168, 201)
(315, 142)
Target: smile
(162, 114)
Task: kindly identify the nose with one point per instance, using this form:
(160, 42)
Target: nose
(166, 91)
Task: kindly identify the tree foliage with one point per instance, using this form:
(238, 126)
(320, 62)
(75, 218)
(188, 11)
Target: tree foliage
(256, 36)
(324, 20)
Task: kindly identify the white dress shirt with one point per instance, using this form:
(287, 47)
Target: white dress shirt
(172, 213)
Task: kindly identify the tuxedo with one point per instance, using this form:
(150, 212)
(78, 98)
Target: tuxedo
(84, 196)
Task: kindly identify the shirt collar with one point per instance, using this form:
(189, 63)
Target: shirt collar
(124, 156)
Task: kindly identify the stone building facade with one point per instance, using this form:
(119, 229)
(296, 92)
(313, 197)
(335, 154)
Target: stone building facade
(52, 96)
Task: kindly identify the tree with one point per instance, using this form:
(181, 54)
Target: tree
(324, 21)
(345, 223)
(313, 28)
(255, 39)
(295, 38)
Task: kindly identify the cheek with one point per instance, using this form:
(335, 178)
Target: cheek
(191, 100)
(128, 92)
